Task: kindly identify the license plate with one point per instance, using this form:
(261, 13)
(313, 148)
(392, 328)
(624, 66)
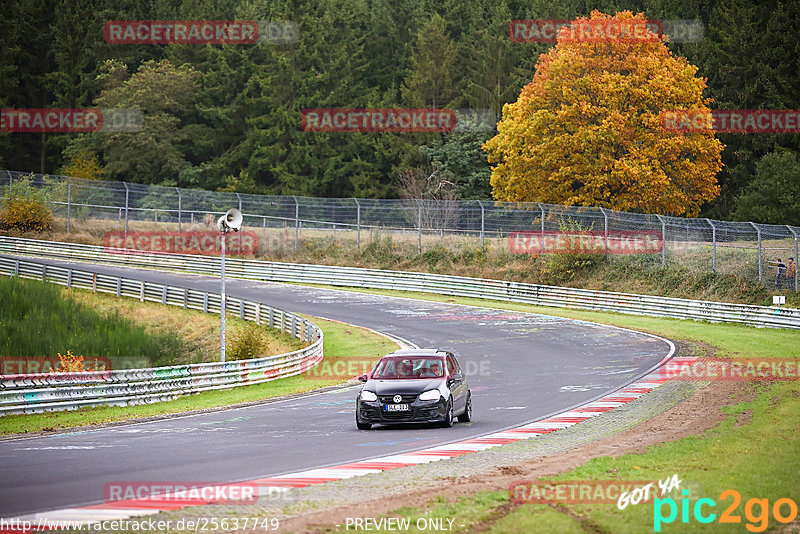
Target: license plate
(397, 407)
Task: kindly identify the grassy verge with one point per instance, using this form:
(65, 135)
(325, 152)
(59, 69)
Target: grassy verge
(41, 319)
(756, 457)
(197, 332)
(340, 340)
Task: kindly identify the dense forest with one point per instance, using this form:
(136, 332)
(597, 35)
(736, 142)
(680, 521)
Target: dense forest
(228, 116)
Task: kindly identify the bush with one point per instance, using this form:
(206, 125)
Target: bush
(25, 214)
(558, 269)
(245, 343)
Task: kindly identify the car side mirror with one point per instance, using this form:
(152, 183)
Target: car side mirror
(362, 378)
(456, 377)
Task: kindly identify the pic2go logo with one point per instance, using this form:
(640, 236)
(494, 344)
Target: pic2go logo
(758, 521)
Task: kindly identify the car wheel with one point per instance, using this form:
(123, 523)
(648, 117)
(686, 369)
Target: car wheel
(466, 417)
(448, 421)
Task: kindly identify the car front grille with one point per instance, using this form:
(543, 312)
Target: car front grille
(389, 399)
(398, 416)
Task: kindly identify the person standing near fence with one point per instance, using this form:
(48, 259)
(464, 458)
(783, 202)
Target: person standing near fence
(781, 274)
(791, 272)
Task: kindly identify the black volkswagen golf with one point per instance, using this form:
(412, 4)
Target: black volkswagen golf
(414, 386)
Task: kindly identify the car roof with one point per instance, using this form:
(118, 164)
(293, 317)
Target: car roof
(418, 352)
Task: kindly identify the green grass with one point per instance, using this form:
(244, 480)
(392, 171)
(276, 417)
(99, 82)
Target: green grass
(340, 340)
(36, 319)
(758, 458)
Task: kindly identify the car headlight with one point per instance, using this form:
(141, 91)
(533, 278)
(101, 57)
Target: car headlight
(368, 396)
(432, 394)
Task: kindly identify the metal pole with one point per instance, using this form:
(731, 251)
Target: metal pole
(541, 241)
(69, 204)
(240, 211)
(179, 210)
(483, 226)
(419, 226)
(795, 255)
(605, 229)
(10, 181)
(713, 244)
(296, 221)
(758, 230)
(126, 209)
(663, 241)
(358, 224)
(222, 302)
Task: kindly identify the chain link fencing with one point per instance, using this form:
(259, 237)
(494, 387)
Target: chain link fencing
(746, 249)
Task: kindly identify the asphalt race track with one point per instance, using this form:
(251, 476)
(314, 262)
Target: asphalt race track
(521, 367)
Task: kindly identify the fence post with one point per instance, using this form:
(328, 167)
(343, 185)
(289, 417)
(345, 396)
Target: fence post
(69, 204)
(541, 241)
(663, 241)
(483, 226)
(795, 255)
(126, 208)
(296, 221)
(10, 181)
(179, 209)
(358, 224)
(758, 230)
(419, 225)
(239, 198)
(713, 245)
(605, 229)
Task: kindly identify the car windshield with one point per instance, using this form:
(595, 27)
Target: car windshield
(409, 367)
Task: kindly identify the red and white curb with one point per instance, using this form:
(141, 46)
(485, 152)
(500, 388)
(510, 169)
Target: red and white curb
(270, 486)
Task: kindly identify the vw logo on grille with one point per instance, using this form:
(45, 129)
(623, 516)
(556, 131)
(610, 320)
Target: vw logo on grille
(397, 398)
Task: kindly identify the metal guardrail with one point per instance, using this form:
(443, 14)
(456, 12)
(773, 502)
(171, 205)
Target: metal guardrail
(30, 393)
(656, 306)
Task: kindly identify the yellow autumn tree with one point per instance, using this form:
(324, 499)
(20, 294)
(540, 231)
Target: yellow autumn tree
(83, 165)
(587, 130)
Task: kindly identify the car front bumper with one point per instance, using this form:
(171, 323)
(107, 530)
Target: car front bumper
(419, 412)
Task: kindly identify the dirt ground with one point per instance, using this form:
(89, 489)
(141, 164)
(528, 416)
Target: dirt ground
(690, 417)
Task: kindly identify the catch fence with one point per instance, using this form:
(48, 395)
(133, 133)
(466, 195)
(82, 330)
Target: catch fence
(747, 249)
